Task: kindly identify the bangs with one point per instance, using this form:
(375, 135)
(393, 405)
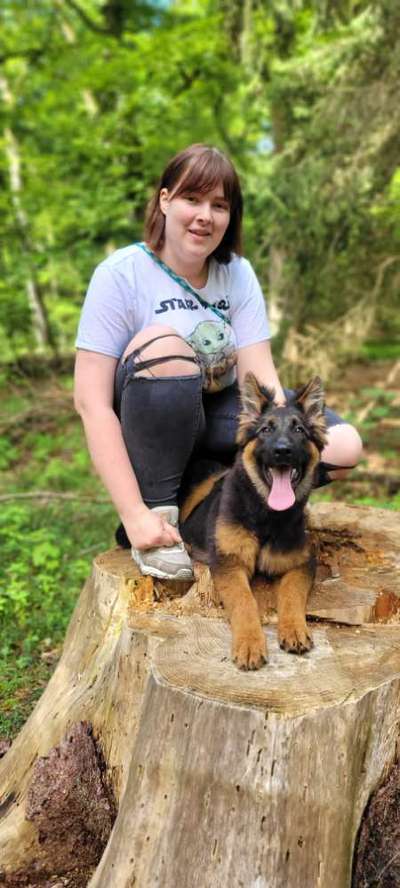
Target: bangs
(206, 171)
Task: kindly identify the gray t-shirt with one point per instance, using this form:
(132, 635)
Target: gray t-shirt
(129, 291)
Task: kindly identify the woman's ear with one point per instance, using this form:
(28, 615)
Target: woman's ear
(163, 200)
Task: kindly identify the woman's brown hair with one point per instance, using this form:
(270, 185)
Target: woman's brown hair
(199, 168)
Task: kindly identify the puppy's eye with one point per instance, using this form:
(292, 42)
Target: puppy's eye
(299, 428)
(266, 430)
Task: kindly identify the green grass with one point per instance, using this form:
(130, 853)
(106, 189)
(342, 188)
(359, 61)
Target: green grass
(47, 545)
(344, 491)
(380, 351)
(46, 556)
(20, 688)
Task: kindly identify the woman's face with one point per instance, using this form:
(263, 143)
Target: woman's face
(195, 223)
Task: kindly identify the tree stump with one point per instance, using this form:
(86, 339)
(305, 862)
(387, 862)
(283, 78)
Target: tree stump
(219, 777)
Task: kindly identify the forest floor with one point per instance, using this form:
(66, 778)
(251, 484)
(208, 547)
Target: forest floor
(56, 516)
(369, 397)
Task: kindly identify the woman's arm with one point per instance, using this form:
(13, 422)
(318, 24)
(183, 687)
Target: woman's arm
(94, 385)
(258, 359)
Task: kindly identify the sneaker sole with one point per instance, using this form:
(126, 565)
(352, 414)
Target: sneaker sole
(183, 574)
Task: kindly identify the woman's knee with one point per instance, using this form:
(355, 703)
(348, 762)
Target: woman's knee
(343, 449)
(157, 341)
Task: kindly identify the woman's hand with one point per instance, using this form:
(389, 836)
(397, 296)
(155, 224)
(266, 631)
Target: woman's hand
(147, 529)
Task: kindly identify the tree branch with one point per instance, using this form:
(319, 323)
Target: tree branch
(50, 494)
(98, 29)
(217, 107)
(32, 53)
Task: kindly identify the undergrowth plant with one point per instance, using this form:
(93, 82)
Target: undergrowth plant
(46, 556)
(47, 544)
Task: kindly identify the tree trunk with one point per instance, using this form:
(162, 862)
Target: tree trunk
(40, 322)
(220, 777)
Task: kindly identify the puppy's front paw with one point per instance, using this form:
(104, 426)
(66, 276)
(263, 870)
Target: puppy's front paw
(249, 651)
(295, 638)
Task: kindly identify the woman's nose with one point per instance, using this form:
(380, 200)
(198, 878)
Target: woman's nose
(204, 210)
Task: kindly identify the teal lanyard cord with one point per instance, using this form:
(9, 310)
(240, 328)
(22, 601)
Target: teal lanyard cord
(181, 281)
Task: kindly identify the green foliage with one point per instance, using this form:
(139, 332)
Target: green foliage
(20, 687)
(96, 119)
(42, 569)
(331, 190)
(330, 494)
(44, 564)
(380, 350)
(96, 97)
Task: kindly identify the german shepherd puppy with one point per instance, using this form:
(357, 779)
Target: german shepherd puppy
(248, 522)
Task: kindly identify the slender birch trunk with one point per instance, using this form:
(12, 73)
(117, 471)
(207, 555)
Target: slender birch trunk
(40, 322)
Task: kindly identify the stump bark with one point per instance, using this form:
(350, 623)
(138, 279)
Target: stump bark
(218, 777)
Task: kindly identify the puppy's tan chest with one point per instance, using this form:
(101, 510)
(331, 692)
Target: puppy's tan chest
(271, 562)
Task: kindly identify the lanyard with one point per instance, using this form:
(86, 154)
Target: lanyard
(181, 281)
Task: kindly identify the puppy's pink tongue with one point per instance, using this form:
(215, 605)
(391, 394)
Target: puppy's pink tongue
(281, 494)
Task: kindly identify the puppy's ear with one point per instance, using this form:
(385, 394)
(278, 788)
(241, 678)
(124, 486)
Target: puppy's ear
(310, 399)
(254, 399)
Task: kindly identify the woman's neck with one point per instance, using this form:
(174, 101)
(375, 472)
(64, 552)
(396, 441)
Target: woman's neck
(194, 272)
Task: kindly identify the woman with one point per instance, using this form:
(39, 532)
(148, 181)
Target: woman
(168, 331)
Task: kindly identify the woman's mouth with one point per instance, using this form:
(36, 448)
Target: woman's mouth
(199, 235)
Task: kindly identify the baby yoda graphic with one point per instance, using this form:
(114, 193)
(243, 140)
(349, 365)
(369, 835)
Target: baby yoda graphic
(212, 343)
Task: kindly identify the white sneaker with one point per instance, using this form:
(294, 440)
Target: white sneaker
(165, 562)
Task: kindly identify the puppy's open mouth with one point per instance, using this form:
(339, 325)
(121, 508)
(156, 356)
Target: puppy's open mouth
(282, 481)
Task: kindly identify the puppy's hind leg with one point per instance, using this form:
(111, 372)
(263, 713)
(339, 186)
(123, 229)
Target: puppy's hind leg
(292, 592)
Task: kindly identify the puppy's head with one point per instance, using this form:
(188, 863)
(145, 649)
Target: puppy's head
(281, 446)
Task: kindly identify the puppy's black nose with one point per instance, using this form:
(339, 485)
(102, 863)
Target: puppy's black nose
(282, 450)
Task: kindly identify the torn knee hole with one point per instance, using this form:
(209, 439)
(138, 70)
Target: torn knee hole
(186, 365)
